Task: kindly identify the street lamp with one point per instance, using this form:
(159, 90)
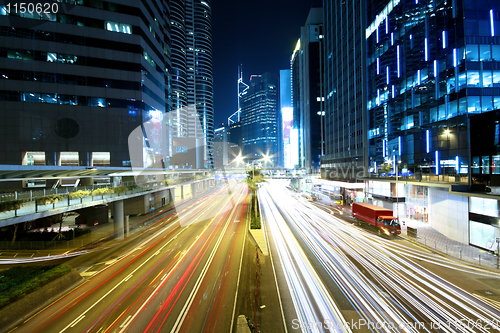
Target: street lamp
(239, 159)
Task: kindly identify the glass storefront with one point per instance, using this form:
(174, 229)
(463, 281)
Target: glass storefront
(416, 198)
(483, 235)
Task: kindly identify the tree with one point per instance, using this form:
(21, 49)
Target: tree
(60, 218)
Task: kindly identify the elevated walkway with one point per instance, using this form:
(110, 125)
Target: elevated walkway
(32, 209)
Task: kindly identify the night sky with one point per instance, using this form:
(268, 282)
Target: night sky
(260, 34)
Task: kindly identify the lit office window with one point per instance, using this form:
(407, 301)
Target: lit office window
(492, 23)
(471, 52)
(426, 57)
(118, 27)
(397, 53)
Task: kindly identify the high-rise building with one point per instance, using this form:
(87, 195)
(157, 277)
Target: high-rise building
(259, 108)
(432, 66)
(345, 98)
(192, 76)
(307, 86)
(345, 90)
(76, 82)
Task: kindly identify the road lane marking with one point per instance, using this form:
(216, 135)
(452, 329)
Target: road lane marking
(77, 320)
(239, 274)
(178, 323)
(117, 285)
(275, 279)
(182, 254)
(126, 321)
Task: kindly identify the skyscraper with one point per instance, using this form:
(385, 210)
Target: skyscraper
(192, 76)
(76, 82)
(431, 66)
(307, 86)
(259, 109)
(345, 90)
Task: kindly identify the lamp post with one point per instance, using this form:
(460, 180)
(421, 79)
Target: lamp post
(397, 197)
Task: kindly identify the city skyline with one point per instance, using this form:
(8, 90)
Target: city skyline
(262, 41)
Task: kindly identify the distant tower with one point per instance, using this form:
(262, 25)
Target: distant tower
(242, 90)
(259, 118)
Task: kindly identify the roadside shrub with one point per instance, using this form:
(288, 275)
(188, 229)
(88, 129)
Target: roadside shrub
(18, 281)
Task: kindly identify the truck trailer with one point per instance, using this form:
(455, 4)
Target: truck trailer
(379, 217)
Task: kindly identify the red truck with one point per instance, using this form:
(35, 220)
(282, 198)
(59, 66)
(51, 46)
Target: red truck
(377, 216)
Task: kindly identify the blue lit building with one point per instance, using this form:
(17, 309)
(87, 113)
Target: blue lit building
(431, 66)
(259, 118)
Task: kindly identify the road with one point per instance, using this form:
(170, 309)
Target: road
(390, 284)
(180, 276)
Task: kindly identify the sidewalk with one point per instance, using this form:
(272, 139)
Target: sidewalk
(428, 236)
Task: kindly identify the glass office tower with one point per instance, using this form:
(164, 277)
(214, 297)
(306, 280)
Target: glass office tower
(432, 66)
(259, 118)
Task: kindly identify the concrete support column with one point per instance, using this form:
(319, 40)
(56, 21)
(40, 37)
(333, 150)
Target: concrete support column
(182, 191)
(127, 228)
(118, 218)
(193, 189)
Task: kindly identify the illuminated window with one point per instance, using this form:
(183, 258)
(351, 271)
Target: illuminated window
(101, 159)
(61, 58)
(34, 158)
(118, 27)
(69, 158)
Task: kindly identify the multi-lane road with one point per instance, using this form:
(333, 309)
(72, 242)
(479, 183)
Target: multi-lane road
(189, 272)
(333, 267)
(181, 275)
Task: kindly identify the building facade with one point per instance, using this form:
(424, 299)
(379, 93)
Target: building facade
(308, 93)
(345, 159)
(345, 90)
(77, 82)
(431, 66)
(259, 116)
(192, 75)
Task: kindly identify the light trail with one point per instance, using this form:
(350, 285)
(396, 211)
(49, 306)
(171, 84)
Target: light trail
(383, 279)
(312, 301)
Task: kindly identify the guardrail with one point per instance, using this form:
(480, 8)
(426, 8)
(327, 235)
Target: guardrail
(33, 205)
